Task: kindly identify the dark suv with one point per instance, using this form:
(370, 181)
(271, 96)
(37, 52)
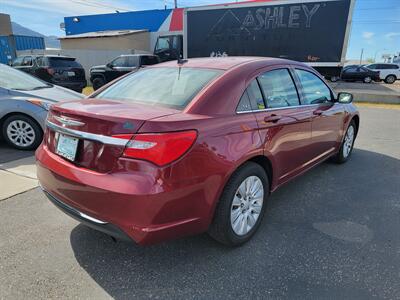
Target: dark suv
(100, 75)
(60, 70)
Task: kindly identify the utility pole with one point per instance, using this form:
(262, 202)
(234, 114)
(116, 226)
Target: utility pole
(165, 4)
(176, 3)
(361, 56)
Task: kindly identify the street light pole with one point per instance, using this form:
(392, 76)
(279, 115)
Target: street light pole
(176, 3)
(361, 56)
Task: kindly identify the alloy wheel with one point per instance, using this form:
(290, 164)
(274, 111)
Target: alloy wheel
(21, 133)
(247, 205)
(348, 141)
(390, 79)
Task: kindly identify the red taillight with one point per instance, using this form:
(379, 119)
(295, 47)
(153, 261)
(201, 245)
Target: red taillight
(159, 148)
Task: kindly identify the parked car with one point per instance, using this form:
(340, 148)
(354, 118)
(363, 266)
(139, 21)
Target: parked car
(24, 102)
(179, 149)
(387, 72)
(100, 75)
(64, 71)
(360, 74)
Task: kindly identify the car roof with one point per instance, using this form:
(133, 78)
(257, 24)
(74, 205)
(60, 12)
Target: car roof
(48, 55)
(141, 54)
(224, 63)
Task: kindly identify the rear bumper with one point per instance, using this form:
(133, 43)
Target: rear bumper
(128, 205)
(96, 224)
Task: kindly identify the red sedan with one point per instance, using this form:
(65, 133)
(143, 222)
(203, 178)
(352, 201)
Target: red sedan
(182, 148)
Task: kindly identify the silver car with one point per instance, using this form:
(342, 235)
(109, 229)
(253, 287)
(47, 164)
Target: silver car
(24, 102)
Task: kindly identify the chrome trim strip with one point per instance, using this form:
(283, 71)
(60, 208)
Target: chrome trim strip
(81, 214)
(277, 108)
(86, 135)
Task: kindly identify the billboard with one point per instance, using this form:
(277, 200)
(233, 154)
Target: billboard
(308, 31)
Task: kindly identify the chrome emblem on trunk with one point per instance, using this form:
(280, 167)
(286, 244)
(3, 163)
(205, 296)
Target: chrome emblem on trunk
(68, 122)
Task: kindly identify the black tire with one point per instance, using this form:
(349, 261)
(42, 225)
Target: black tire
(35, 126)
(98, 82)
(390, 79)
(367, 79)
(340, 158)
(221, 228)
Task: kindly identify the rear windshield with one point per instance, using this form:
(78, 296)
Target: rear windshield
(174, 87)
(62, 62)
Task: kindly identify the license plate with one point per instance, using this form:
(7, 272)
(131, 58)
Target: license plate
(66, 146)
(71, 73)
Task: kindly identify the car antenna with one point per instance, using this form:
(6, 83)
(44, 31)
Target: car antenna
(181, 61)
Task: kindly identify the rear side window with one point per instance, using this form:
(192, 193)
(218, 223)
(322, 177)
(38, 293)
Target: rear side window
(132, 61)
(173, 87)
(39, 61)
(392, 67)
(244, 103)
(314, 89)
(278, 88)
(27, 61)
(255, 95)
(61, 62)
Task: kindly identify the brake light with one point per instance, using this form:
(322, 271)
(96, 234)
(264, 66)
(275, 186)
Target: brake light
(158, 148)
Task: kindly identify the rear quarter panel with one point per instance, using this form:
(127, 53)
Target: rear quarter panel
(223, 144)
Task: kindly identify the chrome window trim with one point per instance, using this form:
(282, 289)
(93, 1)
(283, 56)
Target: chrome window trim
(86, 135)
(279, 108)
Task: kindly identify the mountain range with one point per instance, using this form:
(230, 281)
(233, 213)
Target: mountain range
(50, 41)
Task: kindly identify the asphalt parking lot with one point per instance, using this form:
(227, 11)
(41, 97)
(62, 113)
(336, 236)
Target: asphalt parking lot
(331, 234)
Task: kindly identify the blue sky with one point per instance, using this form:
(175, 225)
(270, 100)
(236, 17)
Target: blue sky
(376, 23)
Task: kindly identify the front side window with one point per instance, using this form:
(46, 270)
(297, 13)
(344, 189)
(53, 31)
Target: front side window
(17, 62)
(314, 89)
(118, 62)
(350, 70)
(162, 43)
(168, 86)
(278, 88)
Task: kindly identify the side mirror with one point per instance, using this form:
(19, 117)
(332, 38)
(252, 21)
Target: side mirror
(345, 98)
(110, 65)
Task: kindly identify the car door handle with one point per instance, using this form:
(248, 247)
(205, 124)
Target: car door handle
(272, 118)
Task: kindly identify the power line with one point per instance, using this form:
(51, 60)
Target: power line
(98, 5)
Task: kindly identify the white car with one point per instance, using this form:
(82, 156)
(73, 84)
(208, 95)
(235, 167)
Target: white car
(387, 72)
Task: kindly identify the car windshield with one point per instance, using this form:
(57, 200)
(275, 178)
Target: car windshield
(63, 62)
(13, 79)
(173, 87)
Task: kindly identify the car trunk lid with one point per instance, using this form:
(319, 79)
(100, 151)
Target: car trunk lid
(96, 123)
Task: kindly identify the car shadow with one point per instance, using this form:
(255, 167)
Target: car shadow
(322, 236)
(8, 153)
